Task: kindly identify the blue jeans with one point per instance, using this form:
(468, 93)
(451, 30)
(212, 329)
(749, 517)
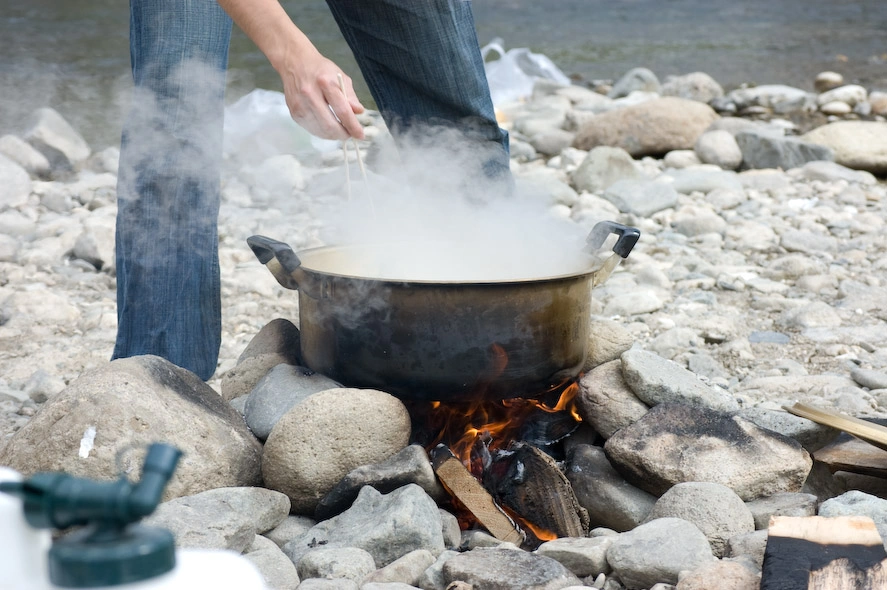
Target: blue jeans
(422, 63)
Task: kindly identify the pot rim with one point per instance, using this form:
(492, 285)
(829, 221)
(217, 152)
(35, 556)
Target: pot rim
(306, 265)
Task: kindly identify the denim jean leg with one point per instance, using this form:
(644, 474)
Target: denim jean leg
(422, 62)
(168, 194)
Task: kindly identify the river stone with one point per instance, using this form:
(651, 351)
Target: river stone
(676, 443)
(694, 220)
(277, 392)
(777, 97)
(602, 167)
(51, 134)
(849, 94)
(653, 127)
(750, 546)
(719, 147)
(240, 380)
(611, 501)
(869, 378)
(606, 402)
(703, 179)
(723, 575)
(641, 197)
(277, 336)
(505, 569)
(96, 244)
(715, 509)
(861, 145)
(657, 552)
(697, 86)
(607, 341)
(832, 171)
(350, 563)
(328, 584)
(15, 182)
(782, 504)
(582, 556)
(387, 526)
(811, 435)
(878, 102)
(827, 80)
(762, 149)
(292, 526)
(657, 380)
(681, 159)
(406, 570)
(411, 465)
(131, 403)
(279, 572)
(319, 441)
(222, 518)
(23, 154)
(636, 79)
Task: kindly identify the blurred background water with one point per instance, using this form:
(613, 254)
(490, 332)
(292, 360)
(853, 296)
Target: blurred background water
(73, 55)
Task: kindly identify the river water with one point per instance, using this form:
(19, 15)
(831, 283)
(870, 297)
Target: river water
(74, 55)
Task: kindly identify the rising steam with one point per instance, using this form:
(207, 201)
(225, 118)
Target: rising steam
(430, 213)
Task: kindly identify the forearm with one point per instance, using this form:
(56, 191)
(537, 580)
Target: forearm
(267, 24)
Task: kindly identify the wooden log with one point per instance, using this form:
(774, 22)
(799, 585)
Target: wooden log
(529, 482)
(819, 553)
(854, 455)
(467, 490)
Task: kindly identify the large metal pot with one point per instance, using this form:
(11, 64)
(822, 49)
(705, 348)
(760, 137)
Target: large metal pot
(440, 340)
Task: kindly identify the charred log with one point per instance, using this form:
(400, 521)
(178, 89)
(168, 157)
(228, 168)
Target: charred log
(529, 483)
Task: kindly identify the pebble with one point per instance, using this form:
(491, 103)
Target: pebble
(758, 281)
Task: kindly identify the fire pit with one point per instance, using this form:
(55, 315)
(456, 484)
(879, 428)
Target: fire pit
(367, 321)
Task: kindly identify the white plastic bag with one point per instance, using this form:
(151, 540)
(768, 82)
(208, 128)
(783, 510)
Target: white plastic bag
(259, 126)
(512, 76)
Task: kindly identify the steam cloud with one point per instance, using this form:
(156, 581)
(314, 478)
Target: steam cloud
(430, 213)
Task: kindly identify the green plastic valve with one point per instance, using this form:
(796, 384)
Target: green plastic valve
(110, 549)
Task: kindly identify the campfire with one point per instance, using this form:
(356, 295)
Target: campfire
(498, 461)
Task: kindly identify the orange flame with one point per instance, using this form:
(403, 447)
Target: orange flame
(495, 423)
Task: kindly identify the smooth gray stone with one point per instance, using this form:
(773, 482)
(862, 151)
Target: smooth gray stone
(506, 569)
(783, 504)
(411, 465)
(764, 150)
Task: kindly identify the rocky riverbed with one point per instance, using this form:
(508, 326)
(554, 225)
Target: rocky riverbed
(760, 280)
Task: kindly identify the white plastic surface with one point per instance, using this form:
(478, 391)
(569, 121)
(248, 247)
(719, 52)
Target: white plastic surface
(23, 559)
(23, 556)
(202, 568)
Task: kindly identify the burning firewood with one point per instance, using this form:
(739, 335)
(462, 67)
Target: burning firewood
(467, 490)
(529, 483)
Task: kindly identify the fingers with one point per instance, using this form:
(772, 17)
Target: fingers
(342, 107)
(323, 109)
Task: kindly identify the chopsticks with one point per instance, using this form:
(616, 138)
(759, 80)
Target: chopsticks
(345, 149)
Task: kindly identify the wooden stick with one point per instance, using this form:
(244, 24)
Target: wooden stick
(465, 488)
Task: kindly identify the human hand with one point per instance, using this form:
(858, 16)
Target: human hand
(320, 96)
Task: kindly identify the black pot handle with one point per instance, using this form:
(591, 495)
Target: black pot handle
(628, 237)
(279, 258)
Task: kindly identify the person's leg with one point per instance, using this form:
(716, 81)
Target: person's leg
(422, 62)
(168, 288)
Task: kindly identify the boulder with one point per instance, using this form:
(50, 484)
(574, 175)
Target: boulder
(54, 137)
(861, 145)
(93, 428)
(654, 127)
(319, 441)
(676, 443)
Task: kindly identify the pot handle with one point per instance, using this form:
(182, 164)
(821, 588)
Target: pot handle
(279, 258)
(628, 237)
